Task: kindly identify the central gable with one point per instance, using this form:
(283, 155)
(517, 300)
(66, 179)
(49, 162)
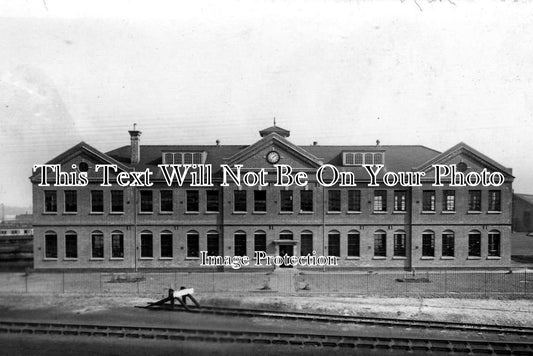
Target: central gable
(255, 156)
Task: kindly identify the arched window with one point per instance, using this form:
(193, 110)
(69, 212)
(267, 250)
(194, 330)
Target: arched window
(166, 244)
(286, 235)
(50, 244)
(117, 244)
(494, 243)
(334, 243)
(380, 244)
(212, 243)
(240, 243)
(306, 243)
(354, 243)
(400, 243)
(260, 241)
(474, 243)
(71, 245)
(97, 244)
(147, 244)
(448, 244)
(193, 244)
(428, 244)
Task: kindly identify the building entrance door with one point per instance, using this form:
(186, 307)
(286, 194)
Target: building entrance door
(286, 250)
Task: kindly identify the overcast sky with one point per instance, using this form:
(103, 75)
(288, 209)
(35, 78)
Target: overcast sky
(430, 73)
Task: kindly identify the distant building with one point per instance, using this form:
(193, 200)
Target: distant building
(366, 227)
(523, 212)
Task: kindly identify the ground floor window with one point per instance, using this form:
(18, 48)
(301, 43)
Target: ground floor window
(428, 244)
(260, 241)
(117, 244)
(212, 243)
(240, 244)
(494, 244)
(97, 248)
(399, 244)
(50, 245)
(306, 243)
(193, 244)
(166, 244)
(448, 244)
(474, 244)
(147, 245)
(71, 245)
(380, 244)
(334, 244)
(353, 244)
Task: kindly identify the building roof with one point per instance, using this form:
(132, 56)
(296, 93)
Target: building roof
(527, 197)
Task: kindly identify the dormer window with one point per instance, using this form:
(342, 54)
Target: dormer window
(184, 157)
(360, 158)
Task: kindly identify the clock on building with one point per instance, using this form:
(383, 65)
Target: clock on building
(272, 157)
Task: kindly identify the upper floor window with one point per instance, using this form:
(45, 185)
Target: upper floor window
(97, 201)
(306, 200)
(211, 201)
(495, 200)
(380, 200)
(50, 244)
(165, 201)
(359, 158)
(192, 205)
(448, 200)
(147, 204)
(71, 201)
(400, 198)
(50, 201)
(239, 201)
(117, 201)
(354, 200)
(428, 200)
(183, 157)
(260, 201)
(474, 200)
(334, 200)
(286, 200)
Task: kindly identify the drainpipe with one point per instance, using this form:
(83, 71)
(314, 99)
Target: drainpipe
(135, 225)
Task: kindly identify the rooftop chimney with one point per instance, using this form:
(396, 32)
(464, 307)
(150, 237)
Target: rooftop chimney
(377, 142)
(135, 148)
(218, 142)
(315, 143)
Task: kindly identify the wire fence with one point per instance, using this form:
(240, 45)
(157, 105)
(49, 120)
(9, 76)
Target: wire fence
(387, 284)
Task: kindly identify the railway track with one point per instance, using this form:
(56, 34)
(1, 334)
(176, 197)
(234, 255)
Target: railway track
(357, 343)
(526, 332)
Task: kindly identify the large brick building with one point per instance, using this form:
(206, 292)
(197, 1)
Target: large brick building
(367, 227)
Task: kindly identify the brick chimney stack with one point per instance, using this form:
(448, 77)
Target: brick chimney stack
(135, 147)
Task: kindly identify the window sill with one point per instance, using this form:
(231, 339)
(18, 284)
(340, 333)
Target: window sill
(259, 212)
(192, 258)
(494, 258)
(333, 212)
(166, 212)
(494, 212)
(286, 212)
(96, 259)
(379, 258)
(473, 212)
(427, 258)
(399, 212)
(473, 258)
(379, 212)
(50, 213)
(50, 259)
(352, 258)
(166, 258)
(212, 212)
(447, 258)
(353, 212)
(240, 213)
(116, 259)
(145, 258)
(70, 259)
(429, 212)
(192, 213)
(96, 213)
(306, 212)
(116, 213)
(448, 212)
(146, 213)
(399, 258)
(70, 212)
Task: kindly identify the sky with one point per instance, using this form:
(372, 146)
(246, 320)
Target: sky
(430, 73)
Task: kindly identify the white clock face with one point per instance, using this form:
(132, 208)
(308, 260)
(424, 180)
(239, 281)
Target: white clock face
(272, 157)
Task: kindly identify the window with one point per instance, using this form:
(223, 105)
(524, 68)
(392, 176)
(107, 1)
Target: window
(428, 244)
(193, 244)
(494, 243)
(212, 201)
(369, 158)
(494, 200)
(286, 201)
(147, 245)
(182, 158)
(353, 159)
(285, 235)
(474, 244)
(260, 241)
(334, 200)
(399, 244)
(71, 201)
(71, 245)
(428, 200)
(380, 200)
(380, 244)
(166, 202)
(474, 200)
(212, 243)
(97, 201)
(260, 201)
(146, 201)
(117, 244)
(50, 201)
(117, 201)
(354, 200)
(353, 244)
(306, 200)
(448, 200)
(334, 244)
(400, 197)
(378, 158)
(192, 201)
(239, 202)
(166, 244)
(50, 245)
(97, 244)
(448, 244)
(306, 247)
(240, 244)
